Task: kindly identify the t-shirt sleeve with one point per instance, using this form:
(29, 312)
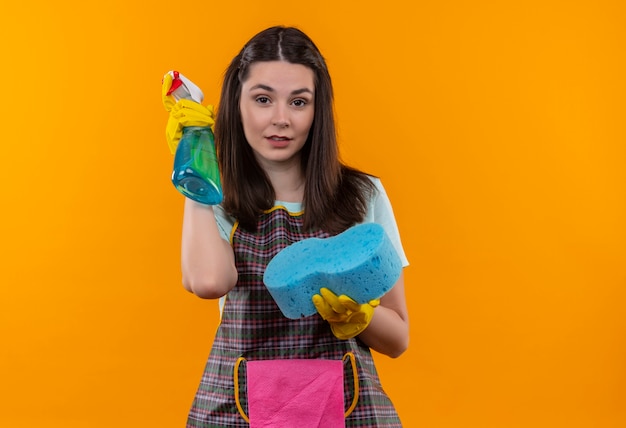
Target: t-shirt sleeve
(225, 223)
(380, 211)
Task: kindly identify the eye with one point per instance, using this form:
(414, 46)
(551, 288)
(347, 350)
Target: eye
(262, 100)
(299, 102)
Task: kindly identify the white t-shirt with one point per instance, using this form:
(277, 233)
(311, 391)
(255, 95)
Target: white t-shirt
(379, 211)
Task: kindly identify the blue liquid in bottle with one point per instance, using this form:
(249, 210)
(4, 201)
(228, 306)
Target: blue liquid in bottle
(196, 173)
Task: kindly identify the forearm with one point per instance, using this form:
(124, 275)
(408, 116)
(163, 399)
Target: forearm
(207, 260)
(388, 331)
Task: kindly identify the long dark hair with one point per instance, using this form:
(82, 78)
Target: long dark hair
(335, 195)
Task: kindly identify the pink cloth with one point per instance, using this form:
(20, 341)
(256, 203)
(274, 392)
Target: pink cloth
(295, 393)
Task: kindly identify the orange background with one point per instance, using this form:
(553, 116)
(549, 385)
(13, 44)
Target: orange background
(497, 128)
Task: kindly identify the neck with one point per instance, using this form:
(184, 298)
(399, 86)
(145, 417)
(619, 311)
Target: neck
(288, 183)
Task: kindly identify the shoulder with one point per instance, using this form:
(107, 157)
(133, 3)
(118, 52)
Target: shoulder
(380, 211)
(378, 203)
(378, 192)
(378, 185)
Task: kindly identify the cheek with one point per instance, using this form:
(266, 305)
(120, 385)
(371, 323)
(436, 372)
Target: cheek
(251, 120)
(306, 123)
(246, 121)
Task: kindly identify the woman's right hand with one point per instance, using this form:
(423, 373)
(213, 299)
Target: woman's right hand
(182, 113)
(186, 113)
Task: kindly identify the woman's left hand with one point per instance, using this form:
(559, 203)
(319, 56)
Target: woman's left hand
(347, 318)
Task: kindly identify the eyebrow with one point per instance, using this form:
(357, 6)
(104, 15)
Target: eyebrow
(270, 89)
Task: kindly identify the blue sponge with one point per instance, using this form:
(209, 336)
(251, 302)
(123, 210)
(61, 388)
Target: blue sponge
(360, 262)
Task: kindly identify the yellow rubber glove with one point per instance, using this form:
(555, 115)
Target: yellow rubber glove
(183, 113)
(347, 318)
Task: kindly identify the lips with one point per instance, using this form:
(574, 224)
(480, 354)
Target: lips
(278, 141)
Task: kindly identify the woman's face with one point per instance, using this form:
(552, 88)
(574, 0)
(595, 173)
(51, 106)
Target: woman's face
(277, 108)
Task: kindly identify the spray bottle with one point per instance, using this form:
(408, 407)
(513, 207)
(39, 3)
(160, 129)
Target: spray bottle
(196, 172)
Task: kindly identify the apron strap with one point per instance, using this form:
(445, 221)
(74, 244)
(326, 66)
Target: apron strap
(355, 376)
(236, 379)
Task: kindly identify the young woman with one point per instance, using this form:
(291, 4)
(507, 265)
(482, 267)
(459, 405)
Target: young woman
(283, 182)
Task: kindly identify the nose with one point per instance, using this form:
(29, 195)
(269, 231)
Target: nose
(281, 117)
